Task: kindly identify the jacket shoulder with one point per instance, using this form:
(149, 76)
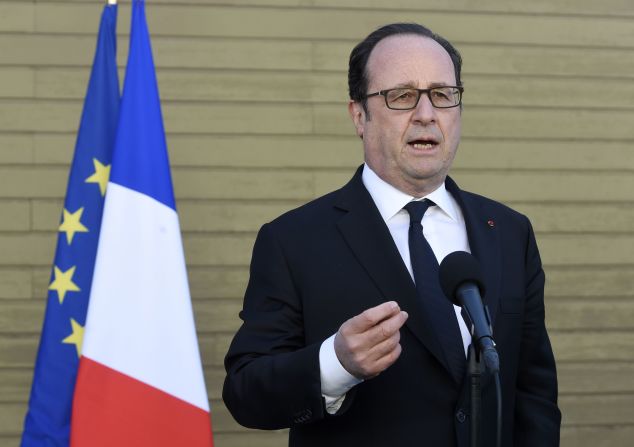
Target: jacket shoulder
(317, 212)
(494, 207)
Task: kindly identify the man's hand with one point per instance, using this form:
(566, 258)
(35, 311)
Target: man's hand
(369, 343)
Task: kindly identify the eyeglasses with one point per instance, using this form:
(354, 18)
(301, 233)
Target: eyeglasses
(407, 98)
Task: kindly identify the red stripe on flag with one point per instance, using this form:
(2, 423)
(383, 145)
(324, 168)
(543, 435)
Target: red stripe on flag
(113, 409)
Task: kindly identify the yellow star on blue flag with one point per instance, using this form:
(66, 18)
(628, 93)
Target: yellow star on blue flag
(63, 283)
(76, 337)
(100, 176)
(71, 224)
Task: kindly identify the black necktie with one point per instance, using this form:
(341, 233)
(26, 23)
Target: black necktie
(440, 310)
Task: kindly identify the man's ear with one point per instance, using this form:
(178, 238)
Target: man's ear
(355, 109)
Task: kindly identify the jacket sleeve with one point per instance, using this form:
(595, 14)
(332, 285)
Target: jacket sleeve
(537, 416)
(272, 377)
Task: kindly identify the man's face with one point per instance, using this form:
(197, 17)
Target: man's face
(410, 149)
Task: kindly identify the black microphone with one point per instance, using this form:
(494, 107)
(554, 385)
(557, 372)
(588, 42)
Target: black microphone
(461, 281)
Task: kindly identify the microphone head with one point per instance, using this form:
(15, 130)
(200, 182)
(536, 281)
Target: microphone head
(456, 269)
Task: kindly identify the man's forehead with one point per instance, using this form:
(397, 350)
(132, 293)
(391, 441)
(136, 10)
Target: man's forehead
(409, 53)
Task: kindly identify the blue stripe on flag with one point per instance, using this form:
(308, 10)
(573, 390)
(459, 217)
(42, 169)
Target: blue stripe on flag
(140, 160)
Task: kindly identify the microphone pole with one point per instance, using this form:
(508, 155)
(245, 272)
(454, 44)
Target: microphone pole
(462, 283)
(475, 377)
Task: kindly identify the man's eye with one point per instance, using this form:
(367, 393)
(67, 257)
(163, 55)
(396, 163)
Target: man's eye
(403, 95)
(440, 94)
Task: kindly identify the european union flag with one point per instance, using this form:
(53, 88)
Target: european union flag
(47, 421)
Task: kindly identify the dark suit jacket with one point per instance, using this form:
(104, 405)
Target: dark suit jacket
(325, 262)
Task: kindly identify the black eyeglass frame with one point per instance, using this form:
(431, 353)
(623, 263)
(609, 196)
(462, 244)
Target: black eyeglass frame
(420, 91)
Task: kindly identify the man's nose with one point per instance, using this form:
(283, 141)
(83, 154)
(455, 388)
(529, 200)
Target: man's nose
(424, 111)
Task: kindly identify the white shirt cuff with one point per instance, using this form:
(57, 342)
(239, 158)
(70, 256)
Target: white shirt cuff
(335, 380)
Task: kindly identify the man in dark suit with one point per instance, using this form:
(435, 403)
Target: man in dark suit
(339, 341)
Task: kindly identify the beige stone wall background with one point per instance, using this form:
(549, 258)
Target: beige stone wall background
(254, 99)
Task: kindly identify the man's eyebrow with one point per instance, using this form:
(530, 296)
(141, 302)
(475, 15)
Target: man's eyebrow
(438, 84)
(412, 84)
(406, 84)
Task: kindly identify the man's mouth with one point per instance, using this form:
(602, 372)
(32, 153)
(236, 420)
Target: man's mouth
(423, 143)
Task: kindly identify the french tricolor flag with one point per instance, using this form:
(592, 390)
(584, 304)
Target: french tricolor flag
(140, 380)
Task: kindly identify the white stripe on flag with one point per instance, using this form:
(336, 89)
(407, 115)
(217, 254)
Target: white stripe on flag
(140, 320)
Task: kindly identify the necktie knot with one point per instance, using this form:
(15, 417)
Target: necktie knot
(417, 209)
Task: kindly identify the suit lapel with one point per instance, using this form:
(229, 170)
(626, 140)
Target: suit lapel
(484, 242)
(369, 239)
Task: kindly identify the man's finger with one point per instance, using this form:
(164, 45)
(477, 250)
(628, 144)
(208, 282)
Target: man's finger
(385, 347)
(373, 316)
(389, 358)
(386, 328)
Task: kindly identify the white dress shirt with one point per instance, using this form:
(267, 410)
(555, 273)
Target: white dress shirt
(445, 230)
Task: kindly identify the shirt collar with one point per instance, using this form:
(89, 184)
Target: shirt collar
(390, 200)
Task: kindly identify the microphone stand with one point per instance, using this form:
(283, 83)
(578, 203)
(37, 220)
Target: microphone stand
(475, 369)
(476, 365)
